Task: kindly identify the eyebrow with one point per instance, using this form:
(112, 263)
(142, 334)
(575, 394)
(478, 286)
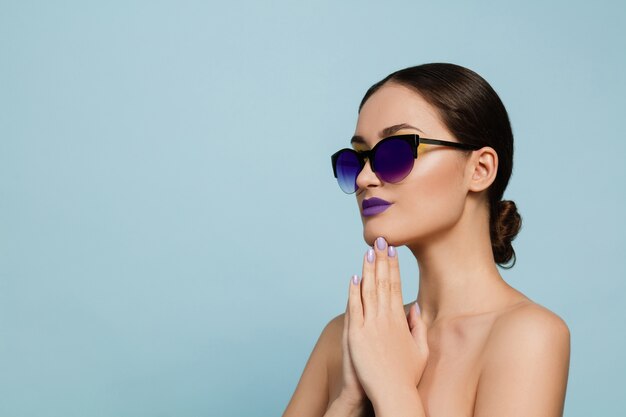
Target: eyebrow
(388, 131)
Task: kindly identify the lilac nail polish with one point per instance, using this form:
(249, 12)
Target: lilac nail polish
(380, 242)
(355, 279)
(391, 251)
(370, 255)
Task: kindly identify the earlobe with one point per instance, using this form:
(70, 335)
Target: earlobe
(484, 168)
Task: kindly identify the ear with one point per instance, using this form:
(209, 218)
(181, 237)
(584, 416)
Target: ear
(482, 168)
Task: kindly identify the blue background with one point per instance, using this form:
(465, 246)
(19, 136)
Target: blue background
(172, 240)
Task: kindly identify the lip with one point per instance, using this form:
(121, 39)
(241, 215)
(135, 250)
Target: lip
(374, 201)
(374, 206)
(370, 211)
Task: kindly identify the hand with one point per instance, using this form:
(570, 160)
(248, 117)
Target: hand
(352, 392)
(388, 354)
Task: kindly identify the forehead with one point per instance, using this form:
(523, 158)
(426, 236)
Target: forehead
(394, 104)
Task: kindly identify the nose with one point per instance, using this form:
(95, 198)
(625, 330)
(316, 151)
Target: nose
(367, 177)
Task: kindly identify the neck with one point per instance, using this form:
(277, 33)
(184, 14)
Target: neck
(457, 272)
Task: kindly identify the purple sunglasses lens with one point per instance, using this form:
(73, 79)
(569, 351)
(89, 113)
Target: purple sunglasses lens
(394, 160)
(348, 168)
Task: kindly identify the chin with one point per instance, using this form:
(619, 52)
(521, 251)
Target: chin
(371, 234)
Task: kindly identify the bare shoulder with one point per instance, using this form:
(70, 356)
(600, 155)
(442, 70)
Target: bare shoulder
(526, 356)
(310, 398)
(333, 333)
(528, 323)
(335, 326)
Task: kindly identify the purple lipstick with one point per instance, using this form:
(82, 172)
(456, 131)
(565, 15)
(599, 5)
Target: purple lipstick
(374, 206)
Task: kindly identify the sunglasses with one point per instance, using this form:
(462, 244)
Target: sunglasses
(391, 159)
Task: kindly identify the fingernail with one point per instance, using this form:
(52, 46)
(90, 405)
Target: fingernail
(417, 307)
(391, 251)
(355, 279)
(370, 255)
(380, 242)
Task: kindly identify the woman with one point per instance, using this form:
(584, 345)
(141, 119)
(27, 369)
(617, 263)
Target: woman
(434, 153)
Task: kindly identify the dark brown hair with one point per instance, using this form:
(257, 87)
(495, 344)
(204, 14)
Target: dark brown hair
(474, 114)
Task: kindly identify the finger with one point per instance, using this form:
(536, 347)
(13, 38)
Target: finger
(412, 318)
(368, 285)
(355, 307)
(346, 320)
(382, 275)
(395, 285)
(418, 328)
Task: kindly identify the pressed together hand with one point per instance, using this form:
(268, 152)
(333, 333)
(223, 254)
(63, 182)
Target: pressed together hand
(384, 352)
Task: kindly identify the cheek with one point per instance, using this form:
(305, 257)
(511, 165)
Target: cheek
(435, 189)
(433, 199)
(435, 204)
(429, 200)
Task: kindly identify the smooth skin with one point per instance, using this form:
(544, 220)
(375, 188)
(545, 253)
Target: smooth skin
(478, 347)
(388, 354)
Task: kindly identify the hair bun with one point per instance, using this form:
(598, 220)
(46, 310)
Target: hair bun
(505, 225)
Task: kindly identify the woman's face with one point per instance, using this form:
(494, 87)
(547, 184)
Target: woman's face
(430, 200)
